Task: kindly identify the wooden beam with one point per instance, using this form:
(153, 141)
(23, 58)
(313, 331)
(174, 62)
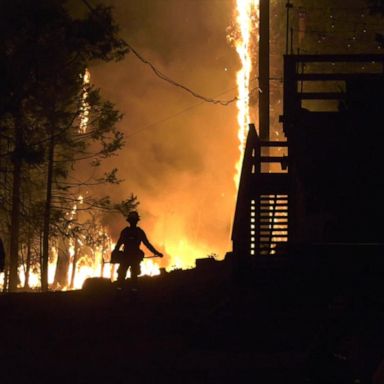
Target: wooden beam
(321, 95)
(273, 143)
(336, 76)
(358, 58)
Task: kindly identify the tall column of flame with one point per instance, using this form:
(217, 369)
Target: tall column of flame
(247, 15)
(84, 108)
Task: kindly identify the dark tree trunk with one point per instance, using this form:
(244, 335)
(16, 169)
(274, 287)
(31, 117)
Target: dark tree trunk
(28, 261)
(6, 279)
(62, 265)
(47, 216)
(15, 211)
(74, 263)
(102, 261)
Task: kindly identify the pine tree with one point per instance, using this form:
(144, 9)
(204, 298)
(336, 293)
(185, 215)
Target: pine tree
(45, 52)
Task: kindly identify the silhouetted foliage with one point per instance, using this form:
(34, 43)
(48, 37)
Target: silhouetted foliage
(44, 54)
(126, 206)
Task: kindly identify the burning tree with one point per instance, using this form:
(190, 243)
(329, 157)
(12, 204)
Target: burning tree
(45, 52)
(81, 237)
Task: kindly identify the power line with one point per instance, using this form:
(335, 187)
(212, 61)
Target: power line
(151, 125)
(164, 77)
(170, 117)
(177, 84)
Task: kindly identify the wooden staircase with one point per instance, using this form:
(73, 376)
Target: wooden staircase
(261, 217)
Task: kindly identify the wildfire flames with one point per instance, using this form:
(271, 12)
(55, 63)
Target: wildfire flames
(86, 267)
(183, 253)
(84, 107)
(247, 17)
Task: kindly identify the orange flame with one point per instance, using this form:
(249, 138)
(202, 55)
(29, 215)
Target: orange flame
(87, 266)
(247, 16)
(91, 263)
(84, 108)
(246, 20)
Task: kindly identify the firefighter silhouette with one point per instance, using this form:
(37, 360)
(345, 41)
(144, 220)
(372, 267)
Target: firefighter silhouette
(130, 238)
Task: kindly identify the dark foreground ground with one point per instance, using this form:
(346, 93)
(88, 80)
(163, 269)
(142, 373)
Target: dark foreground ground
(273, 325)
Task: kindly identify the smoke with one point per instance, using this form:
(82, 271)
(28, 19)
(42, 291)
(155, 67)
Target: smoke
(180, 153)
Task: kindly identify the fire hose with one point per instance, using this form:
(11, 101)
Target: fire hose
(146, 257)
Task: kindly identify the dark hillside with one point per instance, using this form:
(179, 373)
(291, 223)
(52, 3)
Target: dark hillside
(196, 326)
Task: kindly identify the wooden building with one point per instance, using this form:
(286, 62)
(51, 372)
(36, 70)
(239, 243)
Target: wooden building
(328, 187)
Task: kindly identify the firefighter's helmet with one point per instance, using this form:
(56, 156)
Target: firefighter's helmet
(133, 216)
